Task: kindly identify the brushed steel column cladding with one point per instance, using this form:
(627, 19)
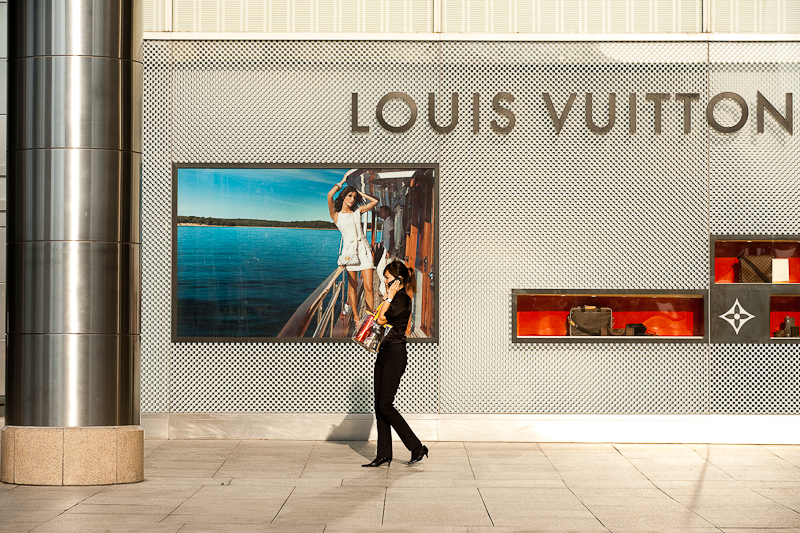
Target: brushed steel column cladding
(74, 193)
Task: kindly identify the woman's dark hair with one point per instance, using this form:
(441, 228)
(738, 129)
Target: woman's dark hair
(342, 195)
(399, 271)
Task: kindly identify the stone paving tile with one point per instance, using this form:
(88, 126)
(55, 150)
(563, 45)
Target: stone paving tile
(577, 447)
(407, 517)
(510, 483)
(576, 479)
(748, 518)
(186, 473)
(615, 496)
(656, 524)
(434, 507)
(132, 508)
(402, 529)
(268, 473)
(340, 505)
(291, 483)
(769, 530)
(264, 509)
(787, 472)
(420, 472)
(185, 481)
(512, 456)
(27, 492)
(639, 527)
(217, 520)
(542, 528)
(533, 499)
(788, 453)
(741, 498)
(50, 505)
(16, 521)
(338, 514)
(501, 446)
(582, 521)
(104, 522)
(244, 486)
(677, 486)
(787, 497)
(736, 454)
(406, 482)
(249, 528)
(488, 471)
(684, 472)
(60, 526)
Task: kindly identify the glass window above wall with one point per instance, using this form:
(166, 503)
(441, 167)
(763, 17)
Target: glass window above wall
(153, 12)
(755, 16)
(314, 16)
(572, 16)
(474, 16)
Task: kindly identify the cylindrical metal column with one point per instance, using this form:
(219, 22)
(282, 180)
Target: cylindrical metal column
(74, 139)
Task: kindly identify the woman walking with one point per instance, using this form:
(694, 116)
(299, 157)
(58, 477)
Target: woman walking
(346, 214)
(390, 365)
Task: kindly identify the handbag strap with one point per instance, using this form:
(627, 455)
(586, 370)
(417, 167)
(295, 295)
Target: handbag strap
(755, 269)
(584, 330)
(358, 236)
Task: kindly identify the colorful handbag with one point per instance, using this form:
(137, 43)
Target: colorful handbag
(368, 333)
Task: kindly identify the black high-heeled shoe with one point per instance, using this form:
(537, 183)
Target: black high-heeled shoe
(417, 454)
(378, 461)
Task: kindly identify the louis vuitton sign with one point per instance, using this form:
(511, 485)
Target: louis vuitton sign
(503, 119)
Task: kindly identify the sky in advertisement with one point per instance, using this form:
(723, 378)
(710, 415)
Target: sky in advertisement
(285, 194)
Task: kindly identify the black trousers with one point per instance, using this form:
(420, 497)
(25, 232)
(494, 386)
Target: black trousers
(389, 368)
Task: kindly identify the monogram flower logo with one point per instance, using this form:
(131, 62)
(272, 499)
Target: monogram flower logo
(736, 316)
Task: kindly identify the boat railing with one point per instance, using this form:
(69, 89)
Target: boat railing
(325, 320)
(297, 325)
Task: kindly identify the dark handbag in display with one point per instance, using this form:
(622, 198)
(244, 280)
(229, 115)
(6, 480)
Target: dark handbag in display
(638, 330)
(588, 320)
(630, 330)
(789, 329)
(755, 268)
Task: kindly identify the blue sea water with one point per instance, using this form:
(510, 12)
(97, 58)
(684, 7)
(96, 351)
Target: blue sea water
(247, 282)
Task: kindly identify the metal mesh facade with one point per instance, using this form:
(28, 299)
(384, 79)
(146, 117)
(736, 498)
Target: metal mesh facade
(527, 209)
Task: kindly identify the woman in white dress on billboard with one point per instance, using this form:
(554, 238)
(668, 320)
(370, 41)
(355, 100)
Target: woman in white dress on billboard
(346, 213)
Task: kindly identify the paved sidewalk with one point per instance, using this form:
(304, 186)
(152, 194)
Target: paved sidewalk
(464, 487)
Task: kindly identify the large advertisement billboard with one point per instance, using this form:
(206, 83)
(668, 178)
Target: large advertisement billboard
(256, 249)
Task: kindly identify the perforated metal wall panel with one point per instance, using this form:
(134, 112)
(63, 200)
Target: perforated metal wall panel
(571, 211)
(754, 176)
(755, 379)
(156, 229)
(527, 209)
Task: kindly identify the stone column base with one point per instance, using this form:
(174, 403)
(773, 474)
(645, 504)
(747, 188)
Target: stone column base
(104, 455)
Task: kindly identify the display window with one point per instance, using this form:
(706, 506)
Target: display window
(756, 260)
(577, 316)
(784, 317)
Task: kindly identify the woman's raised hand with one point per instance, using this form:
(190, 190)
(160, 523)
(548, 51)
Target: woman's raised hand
(393, 288)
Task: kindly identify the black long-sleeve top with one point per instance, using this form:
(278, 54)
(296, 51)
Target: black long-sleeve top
(397, 316)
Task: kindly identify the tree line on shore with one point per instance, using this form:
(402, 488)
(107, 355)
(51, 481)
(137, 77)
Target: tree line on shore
(210, 221)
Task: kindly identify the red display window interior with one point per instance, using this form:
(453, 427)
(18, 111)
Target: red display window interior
(726, 262)
(664, 315)
(779, 308)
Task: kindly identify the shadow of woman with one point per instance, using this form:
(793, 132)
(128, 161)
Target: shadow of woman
(355, 427)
